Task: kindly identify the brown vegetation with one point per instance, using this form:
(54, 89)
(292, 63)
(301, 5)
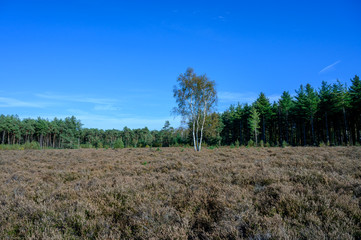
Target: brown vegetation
(175, 193)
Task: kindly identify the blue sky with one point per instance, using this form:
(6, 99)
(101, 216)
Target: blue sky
(114, 63)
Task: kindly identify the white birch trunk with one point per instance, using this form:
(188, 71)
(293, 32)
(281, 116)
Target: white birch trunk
(204, 120)
(194, 137)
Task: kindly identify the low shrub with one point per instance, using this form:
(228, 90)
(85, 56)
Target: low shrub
(251, 143)
(284, 144)
(86, 145)
(32, 145)
(254, 193)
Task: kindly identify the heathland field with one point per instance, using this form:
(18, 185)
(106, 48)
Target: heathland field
(175, 193)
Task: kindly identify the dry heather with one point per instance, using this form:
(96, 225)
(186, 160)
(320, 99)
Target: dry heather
(174, 193)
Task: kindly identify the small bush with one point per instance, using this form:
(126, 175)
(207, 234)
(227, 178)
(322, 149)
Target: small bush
(32, 145)
(284, 144)
(261, 143)
(86, 145)
(119, 143)
(250, 143)
(236, 144)
(232, 145)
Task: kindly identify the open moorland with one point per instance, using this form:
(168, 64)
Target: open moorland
(175, 193)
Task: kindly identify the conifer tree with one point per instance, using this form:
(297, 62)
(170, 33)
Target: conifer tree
(286, 103)
(340, 103)
(263, 107)
(246, 114)
(355, 102)
(238, 122)
(312, 101)
(326, 105)
(300, 111)
(254, 122)
(226, 131)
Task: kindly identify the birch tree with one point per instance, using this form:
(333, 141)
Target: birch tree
(196, 97)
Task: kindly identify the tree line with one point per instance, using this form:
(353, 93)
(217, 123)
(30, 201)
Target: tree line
(330, 115)
(68, 133)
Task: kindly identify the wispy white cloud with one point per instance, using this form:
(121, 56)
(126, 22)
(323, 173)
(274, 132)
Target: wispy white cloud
(79, 98)
(102, 112)
(250, 97)
(12, 102)
(121, 121)
(220, 18)
(100, 104)
(107, 107)
(228, 97)
(329, 67)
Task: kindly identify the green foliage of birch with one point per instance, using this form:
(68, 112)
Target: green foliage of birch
(196, 97)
